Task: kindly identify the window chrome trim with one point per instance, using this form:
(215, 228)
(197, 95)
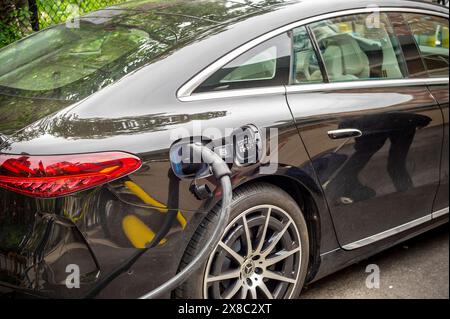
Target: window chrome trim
(350, 85)
(185, 92)
(269, 90)
(310, 88)
(394, 231)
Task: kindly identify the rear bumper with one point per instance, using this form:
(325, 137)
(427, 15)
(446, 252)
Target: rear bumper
(45, 238)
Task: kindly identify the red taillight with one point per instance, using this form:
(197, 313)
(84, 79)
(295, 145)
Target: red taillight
(52, 176)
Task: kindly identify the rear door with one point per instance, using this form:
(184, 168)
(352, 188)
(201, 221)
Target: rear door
(432, 36)
(373, 130)
(441, 204)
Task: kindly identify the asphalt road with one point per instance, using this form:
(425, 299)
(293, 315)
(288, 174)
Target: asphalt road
(418, 268)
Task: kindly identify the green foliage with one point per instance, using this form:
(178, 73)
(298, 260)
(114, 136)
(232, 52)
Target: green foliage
(8, 34)
(14, 27)
(17, 24)
(53, 12)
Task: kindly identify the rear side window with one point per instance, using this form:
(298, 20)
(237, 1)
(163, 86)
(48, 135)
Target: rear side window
(359, 47)
(432, 39)
(265, 65)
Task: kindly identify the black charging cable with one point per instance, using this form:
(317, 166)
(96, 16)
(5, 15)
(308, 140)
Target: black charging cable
(222, 173)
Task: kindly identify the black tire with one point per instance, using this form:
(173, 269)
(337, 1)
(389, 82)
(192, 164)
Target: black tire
(244, 199)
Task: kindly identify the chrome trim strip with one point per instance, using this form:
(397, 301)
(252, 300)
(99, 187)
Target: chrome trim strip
(234, 93)
(364, 84)
(188, 88)
(329, 252)
(387, 233)
(390, 232)
(309, 88)
(440, 213)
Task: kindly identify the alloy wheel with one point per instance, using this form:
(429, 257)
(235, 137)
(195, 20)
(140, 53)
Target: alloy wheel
(259, 256)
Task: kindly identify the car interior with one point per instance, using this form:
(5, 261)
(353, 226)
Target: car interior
(348, 56)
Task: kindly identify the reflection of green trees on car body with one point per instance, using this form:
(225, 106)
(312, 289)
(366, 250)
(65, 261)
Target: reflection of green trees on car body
(72, 63)
(19, 18)
(56, 67)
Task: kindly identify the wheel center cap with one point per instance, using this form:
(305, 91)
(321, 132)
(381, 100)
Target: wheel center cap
(248, 269)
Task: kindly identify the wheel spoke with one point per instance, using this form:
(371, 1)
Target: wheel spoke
(234, 290)
(276, 239)
(247, 236)
(232, 253)
(253, 293)
(275, 276)
(225, 276)
(264, 232)
(281, 256)
(244, 292)
(265, 290)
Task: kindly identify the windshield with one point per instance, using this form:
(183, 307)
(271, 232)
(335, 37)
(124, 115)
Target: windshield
(71, 63)
(62, 56)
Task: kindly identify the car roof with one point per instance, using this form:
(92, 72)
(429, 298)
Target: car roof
(217, 11)
(184, 19)
(223, 25)
(160, 81)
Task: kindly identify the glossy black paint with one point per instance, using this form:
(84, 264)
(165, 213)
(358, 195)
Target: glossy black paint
(391, 172)
(440, 93)
(139, 113)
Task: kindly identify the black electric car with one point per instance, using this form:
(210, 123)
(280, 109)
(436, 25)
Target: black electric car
(345, 102)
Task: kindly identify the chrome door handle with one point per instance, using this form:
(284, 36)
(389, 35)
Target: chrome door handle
(344, 133)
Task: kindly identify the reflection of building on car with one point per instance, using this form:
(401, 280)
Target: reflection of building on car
(137, 231)
(347, 187)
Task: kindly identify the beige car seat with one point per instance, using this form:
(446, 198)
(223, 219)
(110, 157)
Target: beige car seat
(344, 59)
(303, 59)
